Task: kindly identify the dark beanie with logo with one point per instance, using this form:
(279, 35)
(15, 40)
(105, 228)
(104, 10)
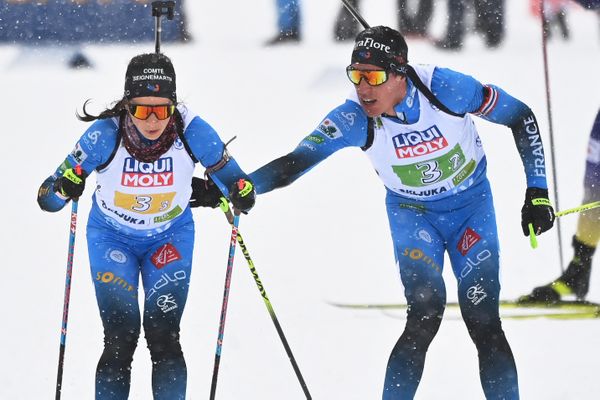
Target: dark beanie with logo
(150, 74)
(381, 46)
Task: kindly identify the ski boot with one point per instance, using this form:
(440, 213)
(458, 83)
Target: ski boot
(574, 281)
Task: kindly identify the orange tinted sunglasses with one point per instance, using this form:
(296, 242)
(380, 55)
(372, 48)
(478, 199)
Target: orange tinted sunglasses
(142, 111)
(373, 77)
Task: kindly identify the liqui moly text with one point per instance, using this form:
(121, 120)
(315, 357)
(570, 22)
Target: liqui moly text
(141, 174)
(419, 143)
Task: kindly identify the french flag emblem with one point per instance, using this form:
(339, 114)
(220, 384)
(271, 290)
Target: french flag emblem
(490, 99)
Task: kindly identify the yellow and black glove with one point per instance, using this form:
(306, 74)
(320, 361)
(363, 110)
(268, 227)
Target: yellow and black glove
(205, 193)
(537, 211)
(242, 195)
(72, 183)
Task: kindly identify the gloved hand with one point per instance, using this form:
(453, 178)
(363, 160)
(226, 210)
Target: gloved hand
(537, 211)
(242, 195)
(205, 193)
(71, 183)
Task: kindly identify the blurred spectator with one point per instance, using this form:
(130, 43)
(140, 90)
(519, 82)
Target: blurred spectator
(346, 27)
(414, 22)
(555, 16)
(413, 19)
(288, 22)
(79, 60)
(489, 21)
(576, 278)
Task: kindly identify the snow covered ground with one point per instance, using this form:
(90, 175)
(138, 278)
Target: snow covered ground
(325, 238)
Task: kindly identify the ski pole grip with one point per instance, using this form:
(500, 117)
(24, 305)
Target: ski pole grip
(532, 238)
(224, 206)
(245, 187)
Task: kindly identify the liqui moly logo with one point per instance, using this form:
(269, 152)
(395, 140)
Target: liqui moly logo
(415, 144)
(141, 174)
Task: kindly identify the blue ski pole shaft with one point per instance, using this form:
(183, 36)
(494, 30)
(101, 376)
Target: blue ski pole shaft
(232, 245)
(65, 317)
(263, 293)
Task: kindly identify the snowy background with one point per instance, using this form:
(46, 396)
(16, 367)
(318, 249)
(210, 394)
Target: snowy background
(325, 238)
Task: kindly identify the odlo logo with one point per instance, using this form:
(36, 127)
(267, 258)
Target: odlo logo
(470, 265)
(415, 144)
(141, 174)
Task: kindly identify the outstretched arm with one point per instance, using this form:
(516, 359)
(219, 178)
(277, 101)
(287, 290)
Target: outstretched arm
(285, 170)
(345, 126)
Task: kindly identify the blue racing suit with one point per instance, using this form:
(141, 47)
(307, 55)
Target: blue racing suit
(124, 244)
(438, 200)
(588, 229)
(592, 165)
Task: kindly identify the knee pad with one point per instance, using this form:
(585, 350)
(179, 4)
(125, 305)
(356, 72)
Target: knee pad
(423, 320)
(163, 344)
(120, 346)
(488, 334)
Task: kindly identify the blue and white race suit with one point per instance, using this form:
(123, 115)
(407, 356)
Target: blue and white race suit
(438, 200)
(140, 224)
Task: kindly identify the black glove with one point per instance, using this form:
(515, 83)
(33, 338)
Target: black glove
(242, 195)
(537, 211)
(205, 193)
(71, 183)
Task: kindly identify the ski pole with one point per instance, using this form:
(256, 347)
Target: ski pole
(551, 125)
(232, 244)
(65, 317)
(583, 207)
(230, 217)
(160, 8)
(356, 14)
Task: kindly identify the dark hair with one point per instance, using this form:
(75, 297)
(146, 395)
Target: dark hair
(117, 110)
